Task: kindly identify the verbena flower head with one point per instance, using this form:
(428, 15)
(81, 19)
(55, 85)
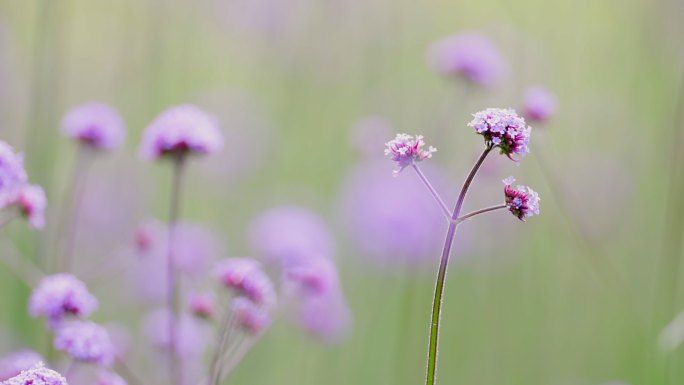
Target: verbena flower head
(95, 124)
(85, 341)
(326, 317)
(12, 173)
(250, 316)
(539, 104)
(105, 377)
(245, 276)
(181, 130)
(59, 295)
(470, 55)
(503, 128)
(37, 375)
(522, 201)
(31, 202)
(287, 235)
(405, 150)
(316, 277)
(14, 363)
(203, 305)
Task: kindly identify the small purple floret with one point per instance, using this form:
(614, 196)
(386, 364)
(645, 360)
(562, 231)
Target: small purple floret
(406, 150)
(522, 201)
(540, 104)
(36, 375)
(503, 128)
(95, 124)
(85, 341)
(60, 295)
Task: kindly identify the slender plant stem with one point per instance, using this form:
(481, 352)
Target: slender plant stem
(480, 211)
(441, 275)
(225, 332)
(434, 192)
(172, 288)
(76, 192)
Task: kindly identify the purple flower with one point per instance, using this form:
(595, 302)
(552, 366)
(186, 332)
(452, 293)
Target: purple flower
(285, 235)
(191, 341)
(15, 363)
(522, 201)
(203, 305)
(96, 125)
(325, 316)
(105, 377)
(245, 276)
(85, 341)
(31, 202)
(12, 173)
(393, 221)
(250, 316)
(37, 375)
(470, 55)
(503, 128)
(59, 295)
(404, 149)
(181, 130)
(540, 104)
(315, 277)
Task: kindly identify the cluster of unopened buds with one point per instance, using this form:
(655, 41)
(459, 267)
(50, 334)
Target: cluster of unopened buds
(502, 129)
(238, 299)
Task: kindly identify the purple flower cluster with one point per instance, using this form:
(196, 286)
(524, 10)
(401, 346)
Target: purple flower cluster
(503, 128)
(15, 190)
(85, 341)
(181, 130)
(61, 295)
(405, 150)
(539, 104)
(96, 125)
(14, 363)
(36, 375)
(522, 201)
(249, 315)
(245, 277)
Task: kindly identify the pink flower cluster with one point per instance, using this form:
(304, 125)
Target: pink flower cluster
(61, 295)
(522, 201)
(15, 192)
(38, 374)
(503, 128)
(405, 150)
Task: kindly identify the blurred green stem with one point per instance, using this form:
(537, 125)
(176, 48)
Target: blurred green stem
(71, 215)
(175, 365)
(441, 275)
(434, 192)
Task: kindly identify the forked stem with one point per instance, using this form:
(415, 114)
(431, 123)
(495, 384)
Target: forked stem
(434, 192)
(441, 275)
(465, 217)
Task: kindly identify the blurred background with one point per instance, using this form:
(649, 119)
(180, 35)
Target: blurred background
(306, 93)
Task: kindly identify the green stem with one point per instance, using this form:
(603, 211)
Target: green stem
(480, 211)
(441, 275)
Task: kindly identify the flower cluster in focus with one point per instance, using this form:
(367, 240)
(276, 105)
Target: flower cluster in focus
(503, 128)
(404, 149)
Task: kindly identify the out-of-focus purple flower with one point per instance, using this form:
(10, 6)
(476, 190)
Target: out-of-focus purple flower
(14, 363)
(194, 248)
(85, 341)
(470, 55)
(191, 338)
(95, 124)
(539, 104)
(37, 375)
(250, 316)
(390, 220)
(12, 173)
(59, 295)
(203, 305)
(246, 277)
(285, 235)
(105, 377)
(325, 316)
(522, 201)
(503, 128)
(315, 277)
(405, 150)
(31, 202)
(181, 130)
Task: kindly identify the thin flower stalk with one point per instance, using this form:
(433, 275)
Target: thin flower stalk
(433, 191)
(468, 216)
(71, 216)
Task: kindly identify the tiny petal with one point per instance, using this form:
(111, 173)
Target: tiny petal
(59, 295)
(37, 375)
(405, 150)
(85, 341)
(509, 181)
(181, 130)
(95, 124)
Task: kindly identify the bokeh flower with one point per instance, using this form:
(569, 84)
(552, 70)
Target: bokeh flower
(191, 341)
(503, 128)
(325, 316)
(539, 104)
(522, 201)
(468, 54)
(95, 124)
(59, 295)
(249, 315)
(202, 305)
(245, 276)
(37, 375)
(30, 201)
(85, 341)
(105, 377)
(285, 235)
(16, 362)
(179, 131)
(405, 150)
(12, 172)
